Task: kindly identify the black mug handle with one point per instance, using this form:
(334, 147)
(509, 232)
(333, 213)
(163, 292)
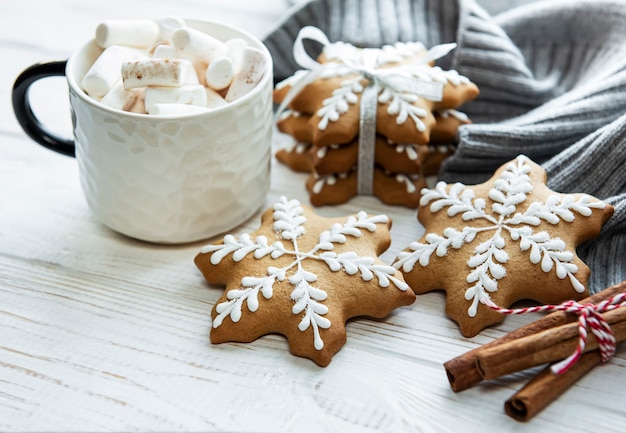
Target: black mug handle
(24, 113)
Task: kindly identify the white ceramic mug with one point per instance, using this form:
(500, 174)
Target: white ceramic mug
(163, 179)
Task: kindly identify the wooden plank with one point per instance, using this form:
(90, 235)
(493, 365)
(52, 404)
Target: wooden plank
(101, 332)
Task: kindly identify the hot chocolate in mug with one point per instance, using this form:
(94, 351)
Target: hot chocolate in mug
(163, 178)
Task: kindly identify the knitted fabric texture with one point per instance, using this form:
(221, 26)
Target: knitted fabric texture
(552, 77)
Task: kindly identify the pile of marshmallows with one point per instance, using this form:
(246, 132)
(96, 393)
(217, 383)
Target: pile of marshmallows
(163, 67)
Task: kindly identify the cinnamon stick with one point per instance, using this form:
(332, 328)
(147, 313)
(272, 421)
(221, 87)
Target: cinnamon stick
(546, 387)
(550, 345)
(462, 371)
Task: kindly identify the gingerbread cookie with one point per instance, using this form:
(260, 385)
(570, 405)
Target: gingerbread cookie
(508, 239)
(437, 154)
(394, 158)
(297, 156)
(390, 188)
(447, 123)
(402, 115)
(302, 276)
(334, 57)
(331, 189)
(296, 124)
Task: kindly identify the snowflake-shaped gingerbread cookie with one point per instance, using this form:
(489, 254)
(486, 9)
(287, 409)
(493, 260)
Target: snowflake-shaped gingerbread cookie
(505, 240)
(302, 276)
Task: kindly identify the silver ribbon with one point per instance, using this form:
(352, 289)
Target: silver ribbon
(388, 77)
(367, 121)
(367, 139)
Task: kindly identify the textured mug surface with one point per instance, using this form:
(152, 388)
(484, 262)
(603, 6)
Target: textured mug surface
(173, 179)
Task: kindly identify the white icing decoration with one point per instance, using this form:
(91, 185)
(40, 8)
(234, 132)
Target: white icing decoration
(323, 151)
(387, 55)
(289, 223)
(441, 148)
(322, 181)
(489, 258)
(296, 146)
(408, 181)
(459, 115)
(400, 51)
(340, 50)
(406, 148)
(302, 148)
(400, 105)
(338, 104)
(436, 74)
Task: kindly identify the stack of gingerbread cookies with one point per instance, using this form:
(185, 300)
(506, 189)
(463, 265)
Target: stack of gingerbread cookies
(413, 132)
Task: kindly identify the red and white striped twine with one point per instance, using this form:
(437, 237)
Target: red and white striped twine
(588, 316)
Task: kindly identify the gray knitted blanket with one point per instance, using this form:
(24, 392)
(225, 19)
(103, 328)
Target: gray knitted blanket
(552, 77)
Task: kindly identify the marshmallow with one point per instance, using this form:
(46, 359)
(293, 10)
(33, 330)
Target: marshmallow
(176, 109)
(253, 66)
(198, 46)
(167, 26)
(234, 48)
(220, 73)
(132, 33)
(163, 51)
(158, 72)
(120, 98)
(106, 70)
(214, 99)
(191, 94)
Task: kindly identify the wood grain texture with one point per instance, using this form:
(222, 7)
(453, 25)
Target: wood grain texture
(99, 332)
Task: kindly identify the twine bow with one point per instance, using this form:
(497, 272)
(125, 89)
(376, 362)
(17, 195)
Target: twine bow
(589, 316)
(377, 78)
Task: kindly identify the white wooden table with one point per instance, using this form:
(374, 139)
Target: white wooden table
(99, 332)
